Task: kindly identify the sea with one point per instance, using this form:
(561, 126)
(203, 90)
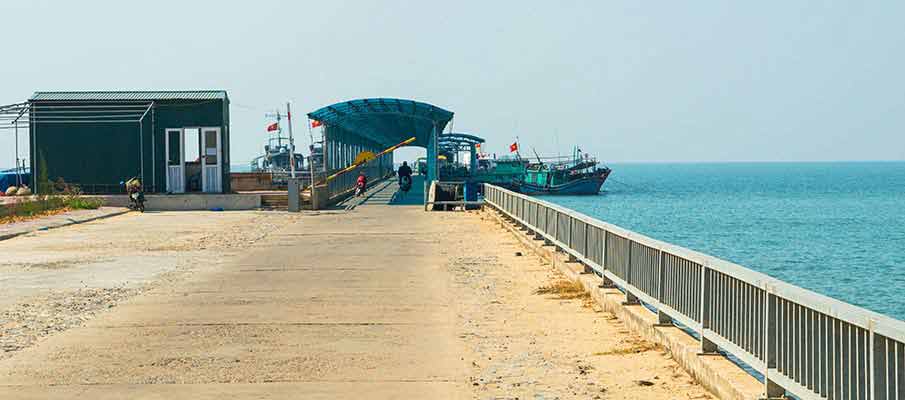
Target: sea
(837, 228)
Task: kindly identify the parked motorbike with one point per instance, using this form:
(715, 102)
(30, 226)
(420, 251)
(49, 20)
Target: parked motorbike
(136, 194)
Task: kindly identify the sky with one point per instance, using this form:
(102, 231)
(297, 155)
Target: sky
(627, 81)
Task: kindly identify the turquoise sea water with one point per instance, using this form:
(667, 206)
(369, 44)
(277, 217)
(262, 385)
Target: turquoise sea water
(835, 228)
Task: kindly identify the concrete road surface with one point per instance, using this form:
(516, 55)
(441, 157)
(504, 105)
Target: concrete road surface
(334, 307)
(383, 302)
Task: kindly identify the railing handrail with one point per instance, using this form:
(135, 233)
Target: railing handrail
(805, 297)
(784, 314)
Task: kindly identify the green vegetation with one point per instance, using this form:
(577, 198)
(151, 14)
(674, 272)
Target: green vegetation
(65, 197)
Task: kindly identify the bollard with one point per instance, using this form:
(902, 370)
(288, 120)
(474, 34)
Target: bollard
(294, 193)
(320, 197)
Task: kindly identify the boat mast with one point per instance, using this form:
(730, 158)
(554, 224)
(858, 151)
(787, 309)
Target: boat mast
(291, 143)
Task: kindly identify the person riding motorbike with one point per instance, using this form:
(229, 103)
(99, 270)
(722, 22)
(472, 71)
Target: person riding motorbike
(404, 172)
(362, 184)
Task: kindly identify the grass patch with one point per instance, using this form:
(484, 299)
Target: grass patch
(631, 346)
(564, 290)
(43, 206)
(83, 203)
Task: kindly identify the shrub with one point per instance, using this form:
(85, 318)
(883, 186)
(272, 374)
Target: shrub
(82, 203)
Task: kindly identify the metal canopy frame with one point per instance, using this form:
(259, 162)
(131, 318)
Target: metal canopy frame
(458, 141)
(27, 115)
(454, 143)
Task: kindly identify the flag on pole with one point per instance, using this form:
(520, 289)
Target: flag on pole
(272, 127)
(513, 147)
(315, 123)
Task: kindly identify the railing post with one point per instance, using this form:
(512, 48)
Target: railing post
(771, 389)
(662, 318)
(586, 240)
(606, 283)
(707, 347)
(569, 241)
(872, 359)
(630, 299)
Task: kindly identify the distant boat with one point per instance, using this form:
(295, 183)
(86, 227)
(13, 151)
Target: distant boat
(276, 159)
(577, 175)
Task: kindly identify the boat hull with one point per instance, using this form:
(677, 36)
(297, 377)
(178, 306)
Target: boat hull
(586, 185)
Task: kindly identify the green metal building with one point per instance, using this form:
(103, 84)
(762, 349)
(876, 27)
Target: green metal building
(175, 141)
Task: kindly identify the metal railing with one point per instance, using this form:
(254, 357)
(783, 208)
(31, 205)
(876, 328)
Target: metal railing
(803, 343)
(443, 195)
(345, 183)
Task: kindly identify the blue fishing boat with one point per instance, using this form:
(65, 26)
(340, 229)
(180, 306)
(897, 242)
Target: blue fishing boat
(579, 174)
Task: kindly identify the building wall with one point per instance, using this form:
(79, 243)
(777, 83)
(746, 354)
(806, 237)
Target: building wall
(189, 114)
(97, 156)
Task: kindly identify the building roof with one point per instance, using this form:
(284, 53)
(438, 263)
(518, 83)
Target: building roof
(130, 95)
(384, 120)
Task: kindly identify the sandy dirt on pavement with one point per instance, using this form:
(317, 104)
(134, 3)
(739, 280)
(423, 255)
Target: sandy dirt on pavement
(529, 344)
(57, 280)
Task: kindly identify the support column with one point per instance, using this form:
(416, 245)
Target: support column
(432, 164)
(473, 162)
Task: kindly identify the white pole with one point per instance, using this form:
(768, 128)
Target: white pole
(18, 176)
(311, 158)
(291, 143)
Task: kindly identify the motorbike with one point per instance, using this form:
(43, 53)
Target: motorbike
(136, 194)
(405, 184)
(360, 188)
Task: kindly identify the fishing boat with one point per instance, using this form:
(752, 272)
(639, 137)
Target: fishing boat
(508, 172)
(579, 174)
(276, 159)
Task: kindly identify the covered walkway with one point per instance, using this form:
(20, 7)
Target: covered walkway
(352, 127)
(388, 194)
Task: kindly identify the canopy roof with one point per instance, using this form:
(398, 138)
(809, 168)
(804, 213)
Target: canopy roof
(384, 120)
(460, 138)
(458, 142)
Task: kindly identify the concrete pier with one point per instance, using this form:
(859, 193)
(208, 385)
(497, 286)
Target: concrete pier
(380, 302)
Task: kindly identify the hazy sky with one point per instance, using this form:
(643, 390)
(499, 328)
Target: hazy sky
(628, 81)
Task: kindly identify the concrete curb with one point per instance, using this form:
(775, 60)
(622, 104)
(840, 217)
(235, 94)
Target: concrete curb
(716, 373)
(70, 221)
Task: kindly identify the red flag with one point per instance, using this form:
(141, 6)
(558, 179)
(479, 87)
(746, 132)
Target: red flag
(513, 147)
(315, 123)
(272, 127)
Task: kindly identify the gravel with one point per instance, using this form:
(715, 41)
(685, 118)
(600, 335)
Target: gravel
(26, 323)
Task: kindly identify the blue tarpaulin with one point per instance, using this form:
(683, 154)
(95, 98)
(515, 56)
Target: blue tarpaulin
(8, 178)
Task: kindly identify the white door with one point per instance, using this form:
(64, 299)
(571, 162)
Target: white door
(175, 147)
(211, 177)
